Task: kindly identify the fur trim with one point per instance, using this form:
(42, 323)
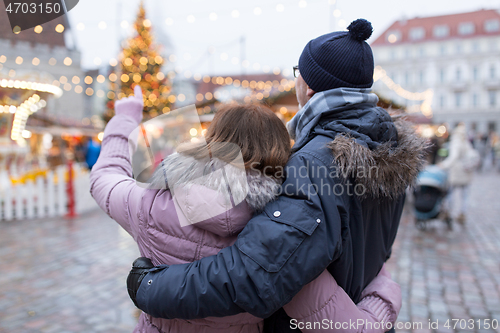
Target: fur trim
(262, 189)
(254, 187)
(385, 171)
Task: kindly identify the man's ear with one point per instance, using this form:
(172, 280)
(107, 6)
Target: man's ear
(310, 92)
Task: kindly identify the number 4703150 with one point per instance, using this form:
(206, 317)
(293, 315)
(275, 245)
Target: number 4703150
(471, 324)
(33, 8)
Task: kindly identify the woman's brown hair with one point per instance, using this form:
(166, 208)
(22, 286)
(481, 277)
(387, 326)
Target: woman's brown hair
(258, 133)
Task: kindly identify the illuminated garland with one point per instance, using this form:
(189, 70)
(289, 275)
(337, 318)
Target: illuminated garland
(29, 106)
(425, 97)
(27, 85)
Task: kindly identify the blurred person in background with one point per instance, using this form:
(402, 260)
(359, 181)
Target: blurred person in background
(495, 146)
(492, 139)
(433, 150)
(481, 146)
(92, 153)
(80, 150)
(461, 162)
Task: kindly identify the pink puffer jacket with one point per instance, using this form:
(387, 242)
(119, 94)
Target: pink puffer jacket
(195, 222)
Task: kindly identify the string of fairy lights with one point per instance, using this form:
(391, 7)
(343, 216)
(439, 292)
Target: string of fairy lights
(425, 96)
(214, 16)
(28, 106)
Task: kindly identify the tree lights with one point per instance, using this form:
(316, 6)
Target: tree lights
(140, 63)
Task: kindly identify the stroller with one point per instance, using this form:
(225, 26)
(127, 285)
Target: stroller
(429, 196)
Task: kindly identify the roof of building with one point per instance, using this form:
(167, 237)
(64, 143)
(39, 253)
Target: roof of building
(434, 28)
(47, 36)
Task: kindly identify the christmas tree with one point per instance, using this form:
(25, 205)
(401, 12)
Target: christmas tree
(140, 63)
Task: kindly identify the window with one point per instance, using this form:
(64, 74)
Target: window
(493, 45)
(458, 74)
(441, 31)
(475, 47)
(417, 33)
(442, 101)
(442, 75)
(393, 55)
(421, 51)
(492, 25)
(442, 49)
(408, 53)
(466, 28)
(458, 99)
(458, 48)
(492, 97)
(393, 36)
(421, 77)
(407, 78)
(475, 73)
(492, 72)
(474, 99)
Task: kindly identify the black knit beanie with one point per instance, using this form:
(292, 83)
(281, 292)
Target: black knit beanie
(339, 59)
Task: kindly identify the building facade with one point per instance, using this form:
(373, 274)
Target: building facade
(454, 57)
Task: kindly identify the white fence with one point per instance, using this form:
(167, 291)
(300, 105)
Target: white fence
(45, 197)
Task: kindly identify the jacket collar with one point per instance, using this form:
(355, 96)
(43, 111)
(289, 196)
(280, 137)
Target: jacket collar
(323, 104)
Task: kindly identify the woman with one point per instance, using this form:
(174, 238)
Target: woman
(460, 163)
(200, 204)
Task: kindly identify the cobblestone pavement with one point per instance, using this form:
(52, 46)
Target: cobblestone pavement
(452, 275)
(65, 276)
(69, 275)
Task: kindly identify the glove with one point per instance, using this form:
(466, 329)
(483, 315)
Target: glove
(131, 106)
(140, 268)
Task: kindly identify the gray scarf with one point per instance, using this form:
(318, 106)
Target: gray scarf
(328, 101)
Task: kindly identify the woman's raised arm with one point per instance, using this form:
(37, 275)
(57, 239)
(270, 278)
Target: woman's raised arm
(111, 182)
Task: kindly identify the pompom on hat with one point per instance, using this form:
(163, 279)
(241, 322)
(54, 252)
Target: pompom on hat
(339, 59)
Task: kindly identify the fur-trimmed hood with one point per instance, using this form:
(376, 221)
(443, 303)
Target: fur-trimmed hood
(386, 170)
(205, 189)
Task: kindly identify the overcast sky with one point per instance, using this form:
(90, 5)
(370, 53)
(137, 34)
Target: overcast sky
(274, 38)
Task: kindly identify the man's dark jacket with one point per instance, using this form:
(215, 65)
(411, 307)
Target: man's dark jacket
(340, 207)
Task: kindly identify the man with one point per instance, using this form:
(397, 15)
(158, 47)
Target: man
(340, 207)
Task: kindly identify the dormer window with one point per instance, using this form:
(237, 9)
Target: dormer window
(441, 31)
(492, 25)
(466, 28)
(417, 33)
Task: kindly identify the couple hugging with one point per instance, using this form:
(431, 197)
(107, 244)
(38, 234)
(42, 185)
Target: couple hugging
(296, 250)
